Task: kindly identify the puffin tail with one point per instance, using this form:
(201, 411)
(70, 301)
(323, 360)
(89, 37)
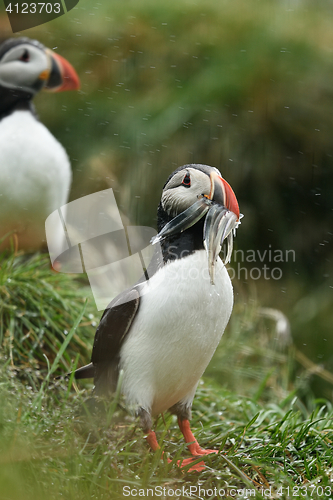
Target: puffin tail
(87, 371)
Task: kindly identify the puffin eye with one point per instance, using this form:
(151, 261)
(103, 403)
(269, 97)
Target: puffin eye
(187, 180)
(25, 56)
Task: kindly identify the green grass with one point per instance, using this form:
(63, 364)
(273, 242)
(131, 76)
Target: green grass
(52, 447)
(37, 307)
(54, 442)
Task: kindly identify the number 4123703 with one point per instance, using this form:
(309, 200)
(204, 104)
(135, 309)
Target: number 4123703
(34, 8)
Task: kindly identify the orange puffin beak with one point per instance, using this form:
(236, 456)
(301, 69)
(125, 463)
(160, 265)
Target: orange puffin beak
(62, 76)
(221, 209)
(222, 193)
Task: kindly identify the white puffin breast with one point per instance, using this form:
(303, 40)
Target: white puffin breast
(35, 174)
(175, 333)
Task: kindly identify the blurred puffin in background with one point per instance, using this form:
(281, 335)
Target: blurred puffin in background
(161, 333)
(35, 172)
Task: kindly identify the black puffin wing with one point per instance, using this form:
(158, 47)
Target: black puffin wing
(114, 326)
(117, 318)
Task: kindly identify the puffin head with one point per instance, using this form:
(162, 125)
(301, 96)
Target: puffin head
(195, 192)
(26, 67)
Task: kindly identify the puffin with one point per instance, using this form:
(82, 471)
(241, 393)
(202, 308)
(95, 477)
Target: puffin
(157, 337)
(35, 172)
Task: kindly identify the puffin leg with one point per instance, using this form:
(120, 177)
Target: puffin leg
(146, 423)
(193, 446)
(184, 414)
(152, 440)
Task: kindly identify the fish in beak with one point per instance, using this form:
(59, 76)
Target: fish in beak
(222, 219)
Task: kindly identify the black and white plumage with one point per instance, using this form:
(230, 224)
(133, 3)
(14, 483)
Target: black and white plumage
(35, 172)
(163, 340)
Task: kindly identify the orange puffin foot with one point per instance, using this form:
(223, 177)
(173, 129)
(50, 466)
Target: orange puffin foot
(152, 441)
(192, 443)
(195, 468)
(194, 447)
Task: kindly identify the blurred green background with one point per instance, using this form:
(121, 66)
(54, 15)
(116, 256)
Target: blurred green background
(244, 85)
